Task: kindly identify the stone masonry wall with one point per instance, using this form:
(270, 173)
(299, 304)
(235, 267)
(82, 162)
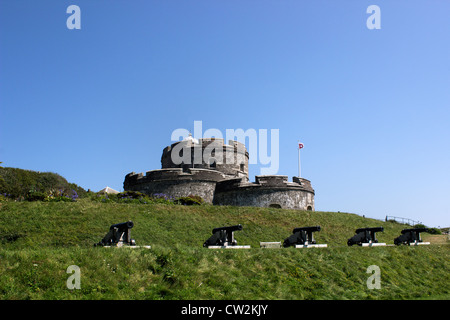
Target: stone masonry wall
(175, 182)
(267, 191)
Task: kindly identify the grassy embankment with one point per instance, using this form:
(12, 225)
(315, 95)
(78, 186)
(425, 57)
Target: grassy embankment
(40, 240)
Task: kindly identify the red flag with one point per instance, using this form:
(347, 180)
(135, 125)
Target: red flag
(300, 145)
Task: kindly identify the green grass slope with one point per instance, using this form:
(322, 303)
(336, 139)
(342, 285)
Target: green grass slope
(39, 241)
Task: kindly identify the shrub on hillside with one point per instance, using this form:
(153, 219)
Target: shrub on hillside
(62, 195)
(190, 200)
(52, 196)
(17, 183)
(434, 231)
(3, 198)
(133, 197)
(35, 196)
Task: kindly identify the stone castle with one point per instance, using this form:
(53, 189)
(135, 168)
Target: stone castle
(218, 173)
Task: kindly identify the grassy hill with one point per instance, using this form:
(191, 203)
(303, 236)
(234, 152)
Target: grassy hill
(40, 240)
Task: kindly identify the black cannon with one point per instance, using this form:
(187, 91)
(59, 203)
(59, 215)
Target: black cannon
(410, 236)
(301, 236)
(223, 236)
(118, 235)
(364, 235)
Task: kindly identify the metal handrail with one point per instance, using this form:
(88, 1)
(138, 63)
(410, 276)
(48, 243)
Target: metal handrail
(403, 220)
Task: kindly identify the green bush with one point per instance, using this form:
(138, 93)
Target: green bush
(434, 231)
(60, 198)
(17, 183)
(190, 200)
(36, 196)
(141, 198)
(52, 196)
(133, 197)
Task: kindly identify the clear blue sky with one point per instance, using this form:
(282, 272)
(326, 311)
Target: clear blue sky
(371, 106)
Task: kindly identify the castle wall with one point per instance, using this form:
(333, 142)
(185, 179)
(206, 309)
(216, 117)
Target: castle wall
(267, 191)
(175, 182)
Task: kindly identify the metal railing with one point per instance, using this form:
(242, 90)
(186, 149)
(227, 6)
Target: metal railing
(403, 220)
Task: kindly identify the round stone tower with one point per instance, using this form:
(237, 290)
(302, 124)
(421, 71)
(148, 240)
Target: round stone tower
(210, 153)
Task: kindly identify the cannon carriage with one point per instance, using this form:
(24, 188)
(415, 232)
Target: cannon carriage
(303, 237)
(223, 237)
(366, 237)
(411, 237)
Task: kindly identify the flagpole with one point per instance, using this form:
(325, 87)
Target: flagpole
(300, 146)
(299, 170)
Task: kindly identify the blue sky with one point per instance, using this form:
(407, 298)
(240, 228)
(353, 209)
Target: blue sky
(372, 107)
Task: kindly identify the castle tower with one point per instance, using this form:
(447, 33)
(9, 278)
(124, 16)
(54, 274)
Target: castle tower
(210, 153)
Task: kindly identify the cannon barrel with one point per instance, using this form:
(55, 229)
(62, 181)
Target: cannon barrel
(123, 225)
(307, 229)
(118, 235)
(414, 230)
(228, 229)
(373, 229)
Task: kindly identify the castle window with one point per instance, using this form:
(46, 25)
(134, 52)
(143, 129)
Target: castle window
(242, 167)
(212, 163)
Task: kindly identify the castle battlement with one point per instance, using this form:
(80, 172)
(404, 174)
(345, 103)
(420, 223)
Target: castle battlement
(267, 191)
(232, 145)
(272, 182)
(173, 173)
(175, 182)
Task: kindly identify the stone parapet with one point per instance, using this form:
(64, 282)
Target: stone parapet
(267, 191)
(265, 181)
